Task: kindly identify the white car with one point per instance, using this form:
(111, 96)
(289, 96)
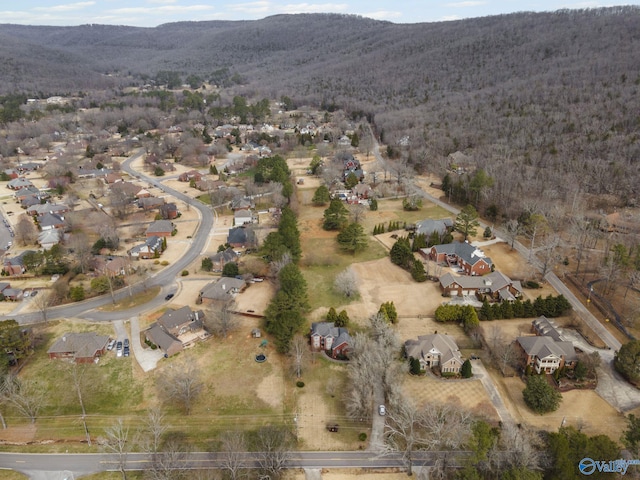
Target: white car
(382, 410)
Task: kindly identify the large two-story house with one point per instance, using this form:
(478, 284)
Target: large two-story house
(435, 350)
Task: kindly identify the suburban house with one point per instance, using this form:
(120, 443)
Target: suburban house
(169, 211)
(495, 284)
(116, 266)
(428, 227)
(240, 202)
(41, 209)
(151, 248)
(190, 175)
(50, 221)
(240, 237)
(325, 336)
(15, 265)
(546, 355)
(435, 350)
(176, 329)
(150, 203)
(469, 259)
(220, 259)
(49, 238)
(80, 347)
(222, 290)
(26, 192)
(160, 228)
(242, 217)
(19, 183)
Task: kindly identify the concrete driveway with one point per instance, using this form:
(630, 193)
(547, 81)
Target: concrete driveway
(612, 387)
(479, 371)
(147, 359)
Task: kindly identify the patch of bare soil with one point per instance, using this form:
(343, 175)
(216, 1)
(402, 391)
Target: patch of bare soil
(18, 435)
(271, 389)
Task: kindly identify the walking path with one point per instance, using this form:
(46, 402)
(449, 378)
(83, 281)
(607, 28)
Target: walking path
(492, 390)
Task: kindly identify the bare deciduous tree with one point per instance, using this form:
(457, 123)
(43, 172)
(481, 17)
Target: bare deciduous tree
(357, 212)
(274, 449)
(182, 385)
(42, 303)
(115, 440)
(223, 321)
(299, 351)
(346, 283)
(76, 375)
(25, 231)
(150, 439)
(232, 449)
(26, 396)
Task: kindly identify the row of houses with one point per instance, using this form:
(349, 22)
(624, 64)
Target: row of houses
(544, 352)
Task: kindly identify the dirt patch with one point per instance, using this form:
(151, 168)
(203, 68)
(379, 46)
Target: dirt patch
(18, 435)
(271, 390)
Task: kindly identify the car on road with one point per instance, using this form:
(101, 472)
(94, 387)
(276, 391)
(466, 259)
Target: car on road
(169, 297)
(382, 410)
(119, 349)
(111, 344)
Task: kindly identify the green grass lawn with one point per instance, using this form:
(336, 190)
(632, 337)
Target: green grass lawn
(325, 261)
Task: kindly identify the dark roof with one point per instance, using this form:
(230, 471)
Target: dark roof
(228, 255)
(238, 235)
(174, 318)
(81, 345)
(543, 346)
(160, 226)
(162, 339)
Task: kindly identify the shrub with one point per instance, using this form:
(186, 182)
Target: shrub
(299, 384)
(184, 273)
(531, 284)
(540, 396)
(362, 437)
(164, 263)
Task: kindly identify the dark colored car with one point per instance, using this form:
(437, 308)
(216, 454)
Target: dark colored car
(126, 343)
(126, 351)
(169, 297)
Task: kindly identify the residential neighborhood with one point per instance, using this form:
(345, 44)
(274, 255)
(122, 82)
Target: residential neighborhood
(184, 265)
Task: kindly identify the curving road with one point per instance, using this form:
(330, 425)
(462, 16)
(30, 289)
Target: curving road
(164, 278)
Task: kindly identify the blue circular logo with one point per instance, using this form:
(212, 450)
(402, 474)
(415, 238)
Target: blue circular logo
(587, 466)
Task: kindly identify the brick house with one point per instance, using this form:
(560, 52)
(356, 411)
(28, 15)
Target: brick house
(160, 228)
(80, 347)
(546, 355)
(495, 284)
(325, 336)
(469, 259)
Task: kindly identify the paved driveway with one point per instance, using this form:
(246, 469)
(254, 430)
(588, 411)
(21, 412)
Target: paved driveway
(487, 382)
(146, 358)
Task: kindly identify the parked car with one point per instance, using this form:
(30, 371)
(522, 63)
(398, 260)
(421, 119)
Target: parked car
(34, 293)
(119, 349)
(169, 297)
(382, 410)
(111, 344)
(126, 343)
(126, 351)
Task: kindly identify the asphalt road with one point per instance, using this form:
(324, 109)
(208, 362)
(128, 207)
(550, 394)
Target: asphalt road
(165, 278)
(40, 465)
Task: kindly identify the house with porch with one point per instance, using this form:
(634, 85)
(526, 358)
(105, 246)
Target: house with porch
(435, 350)
(220, 259)
(176, 330)
(461, 255)
(546, 355)
(325, 336)
(495, 284)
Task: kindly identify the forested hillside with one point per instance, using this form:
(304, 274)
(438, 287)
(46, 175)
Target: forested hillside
(547, 104)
